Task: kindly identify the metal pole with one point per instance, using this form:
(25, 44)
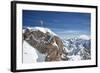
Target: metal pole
(41, 22)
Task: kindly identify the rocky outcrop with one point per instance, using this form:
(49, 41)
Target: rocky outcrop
(45, 43)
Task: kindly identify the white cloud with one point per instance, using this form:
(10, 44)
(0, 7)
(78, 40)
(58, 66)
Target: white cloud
(84, 37)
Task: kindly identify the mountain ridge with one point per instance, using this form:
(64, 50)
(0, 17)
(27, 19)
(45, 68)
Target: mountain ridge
(56, 49)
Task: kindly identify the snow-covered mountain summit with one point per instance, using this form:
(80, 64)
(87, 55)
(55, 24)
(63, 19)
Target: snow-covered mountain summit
(45, 42)
(42, 29)
(48, 46)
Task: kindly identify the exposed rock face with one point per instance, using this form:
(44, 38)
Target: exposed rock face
(45, 43)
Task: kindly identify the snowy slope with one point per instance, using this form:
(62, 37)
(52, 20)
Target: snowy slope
(31, 55)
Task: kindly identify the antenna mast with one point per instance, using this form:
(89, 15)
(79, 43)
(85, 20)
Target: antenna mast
(41, 22)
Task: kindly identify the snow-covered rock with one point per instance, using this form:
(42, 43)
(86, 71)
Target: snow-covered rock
(48, 45)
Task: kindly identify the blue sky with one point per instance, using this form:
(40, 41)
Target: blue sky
(62, 23)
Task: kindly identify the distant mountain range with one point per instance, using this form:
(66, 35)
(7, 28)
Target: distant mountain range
(78, 47)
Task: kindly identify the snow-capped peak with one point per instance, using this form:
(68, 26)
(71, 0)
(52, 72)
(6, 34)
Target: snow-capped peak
(85, 37)
(42, 29)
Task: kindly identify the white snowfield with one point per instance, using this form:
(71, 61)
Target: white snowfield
(31, 55)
